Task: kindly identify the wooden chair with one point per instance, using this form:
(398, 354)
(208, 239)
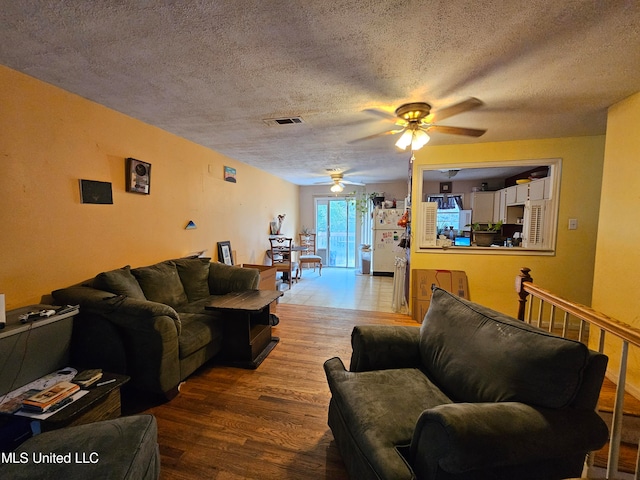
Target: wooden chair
(308, 240)
(281, 257)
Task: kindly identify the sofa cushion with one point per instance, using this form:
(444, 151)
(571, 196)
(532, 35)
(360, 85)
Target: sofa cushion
(161, 283)
(194, 275)
(198, 330)
(119, 282)
(476, 354)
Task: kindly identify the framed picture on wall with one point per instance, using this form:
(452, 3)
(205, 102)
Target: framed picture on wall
(138, 176)
(224, 253)
(445, 187)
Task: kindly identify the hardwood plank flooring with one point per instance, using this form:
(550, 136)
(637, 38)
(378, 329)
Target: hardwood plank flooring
(270, 423)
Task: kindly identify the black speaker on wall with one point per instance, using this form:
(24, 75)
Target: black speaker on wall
(92, 191)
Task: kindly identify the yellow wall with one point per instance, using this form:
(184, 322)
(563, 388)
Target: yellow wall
(616, 286)
(570, 272)
(49, 139)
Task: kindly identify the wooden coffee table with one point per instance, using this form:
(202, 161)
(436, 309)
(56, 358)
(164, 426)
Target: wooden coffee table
(247, 332)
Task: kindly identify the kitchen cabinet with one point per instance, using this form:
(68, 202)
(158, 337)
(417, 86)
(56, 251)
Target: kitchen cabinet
(522, 193)
(482, 207)
(500, 206)
(539, 189)
(518, 194)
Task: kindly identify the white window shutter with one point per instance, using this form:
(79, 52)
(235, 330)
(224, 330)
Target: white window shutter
(534, 228)
(428, 230)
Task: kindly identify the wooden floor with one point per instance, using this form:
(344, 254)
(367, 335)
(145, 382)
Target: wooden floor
(269, 423)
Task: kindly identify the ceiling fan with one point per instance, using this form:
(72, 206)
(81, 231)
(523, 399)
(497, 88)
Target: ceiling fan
(414, 120)
(338, 182)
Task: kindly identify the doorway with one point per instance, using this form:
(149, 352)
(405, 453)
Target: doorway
(336, 231)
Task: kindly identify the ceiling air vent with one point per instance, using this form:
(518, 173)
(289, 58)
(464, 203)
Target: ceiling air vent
(283, 121)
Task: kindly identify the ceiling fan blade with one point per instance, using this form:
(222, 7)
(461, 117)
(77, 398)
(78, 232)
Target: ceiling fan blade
(349, 182)
(375, 135)
(464, 106)
(470, 132)
(381, 113)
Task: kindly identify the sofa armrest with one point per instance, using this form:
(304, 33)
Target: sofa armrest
(149, 332)
(380, 347)
(228, 278)
(463, 437)
(117, 308)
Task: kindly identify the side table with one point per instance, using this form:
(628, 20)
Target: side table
(101, 403)
(247, 331)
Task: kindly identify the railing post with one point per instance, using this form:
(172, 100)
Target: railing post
(618, 412)
(522, 294)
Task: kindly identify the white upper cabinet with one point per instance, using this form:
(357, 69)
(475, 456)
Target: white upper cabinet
(539, 189)
(482, 207)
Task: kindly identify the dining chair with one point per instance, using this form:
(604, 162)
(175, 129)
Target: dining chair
(309, 256)
(282, 259)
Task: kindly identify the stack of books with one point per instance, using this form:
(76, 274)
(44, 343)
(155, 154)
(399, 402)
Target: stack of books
(47, 398)
(87, 378)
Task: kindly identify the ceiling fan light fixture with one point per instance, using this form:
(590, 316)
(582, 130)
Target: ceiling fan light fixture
(417, 138)
(405, 139)
(420, 139)
(337, 187)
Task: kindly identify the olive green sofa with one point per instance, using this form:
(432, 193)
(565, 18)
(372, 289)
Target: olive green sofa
(150, 322)
(471, 394)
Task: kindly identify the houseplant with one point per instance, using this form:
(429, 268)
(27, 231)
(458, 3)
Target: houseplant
(377, 198)
(485, 233)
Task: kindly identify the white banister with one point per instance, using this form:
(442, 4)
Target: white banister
(629, 335)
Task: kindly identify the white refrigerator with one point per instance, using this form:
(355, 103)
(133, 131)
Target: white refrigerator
(386, 237)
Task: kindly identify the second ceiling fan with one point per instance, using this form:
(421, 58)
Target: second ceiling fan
(415, 120)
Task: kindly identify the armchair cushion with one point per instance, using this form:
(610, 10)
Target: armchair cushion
(161, 283)
(377, 429)
(123, 448)
(462, 344)
(119, 282)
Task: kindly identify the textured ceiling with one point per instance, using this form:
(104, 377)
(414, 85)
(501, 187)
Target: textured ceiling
(213, 71)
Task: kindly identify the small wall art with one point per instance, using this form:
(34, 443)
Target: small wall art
(92, 191)
(138, 176)
(445, 187)
(229, 174)
(224, 253)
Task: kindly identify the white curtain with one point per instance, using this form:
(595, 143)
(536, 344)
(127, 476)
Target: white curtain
(399, 302)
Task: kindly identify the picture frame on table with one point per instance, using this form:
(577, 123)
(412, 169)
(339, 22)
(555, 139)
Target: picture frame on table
(224, 253)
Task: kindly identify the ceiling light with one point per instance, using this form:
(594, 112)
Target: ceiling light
(415, 137)
(405, 139)
(337, 187)
(420, 139)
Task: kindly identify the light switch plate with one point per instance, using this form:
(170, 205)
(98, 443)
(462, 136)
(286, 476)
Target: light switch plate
(573, 224)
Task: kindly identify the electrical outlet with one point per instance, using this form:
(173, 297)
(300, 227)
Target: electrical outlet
(573, 224)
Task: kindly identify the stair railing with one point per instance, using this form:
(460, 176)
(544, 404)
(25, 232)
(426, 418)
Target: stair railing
(587, 318)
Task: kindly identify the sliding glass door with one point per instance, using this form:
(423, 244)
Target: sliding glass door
(336, 231)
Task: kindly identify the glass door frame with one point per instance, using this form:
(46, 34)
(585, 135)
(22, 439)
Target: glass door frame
(323, 237)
